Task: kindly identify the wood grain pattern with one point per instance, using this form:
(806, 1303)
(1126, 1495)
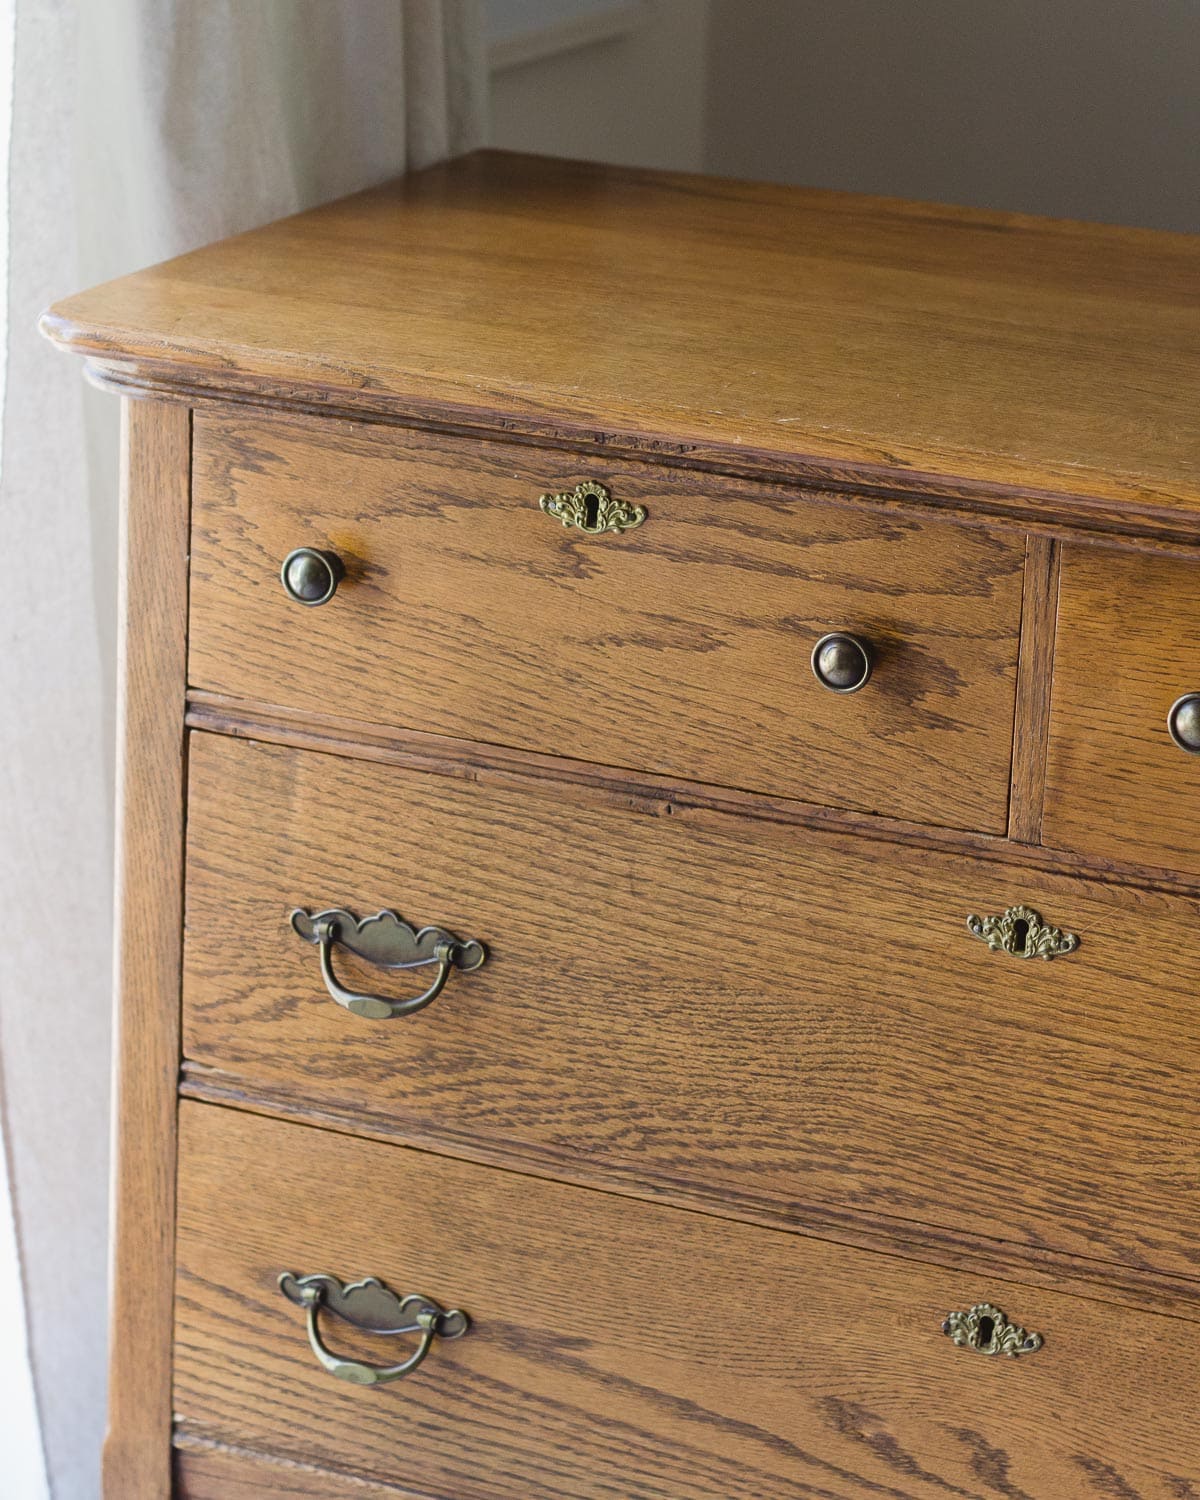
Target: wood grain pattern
(154, 518)
(680, 648)
(714, 318)
(496, 765)
(687, 999)
(726, 911)
(1128, 646)
(776, 1366)
(1060, 515)
(1035, 674)
(1137, 1287)
(213, 1471)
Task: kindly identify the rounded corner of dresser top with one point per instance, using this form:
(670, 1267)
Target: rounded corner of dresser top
(56, 324)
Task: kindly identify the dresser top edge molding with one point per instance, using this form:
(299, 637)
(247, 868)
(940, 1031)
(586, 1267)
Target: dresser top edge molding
(912, 347)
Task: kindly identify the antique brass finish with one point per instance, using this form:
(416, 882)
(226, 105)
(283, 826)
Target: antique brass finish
(591, 509)
(387, 940)
(369, 1305)
(1183, 723)
(1021, 932)
(985, 1329)
(841, 662)
(311, 577)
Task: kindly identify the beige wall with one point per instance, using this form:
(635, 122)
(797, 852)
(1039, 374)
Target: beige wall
(636, 99)
(1083, 108)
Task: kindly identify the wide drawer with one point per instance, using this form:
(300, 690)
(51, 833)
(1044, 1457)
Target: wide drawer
(681, 647)
(1128, 648)
(696, 1003)
(624, 1349)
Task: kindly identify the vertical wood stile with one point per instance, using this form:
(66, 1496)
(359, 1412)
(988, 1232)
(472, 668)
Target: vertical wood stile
(1035, 673)
(156, 443)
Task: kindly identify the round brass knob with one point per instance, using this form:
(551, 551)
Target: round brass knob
(1184, 722)
(841, 663)
(311, 577)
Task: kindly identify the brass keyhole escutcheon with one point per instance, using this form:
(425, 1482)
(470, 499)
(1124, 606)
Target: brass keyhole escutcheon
(1020, 931)
(590, 508)
(985, 1329)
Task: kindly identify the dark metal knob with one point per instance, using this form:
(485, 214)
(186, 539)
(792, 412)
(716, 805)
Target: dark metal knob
(1184, 722)
(841, 663)
(311, 577)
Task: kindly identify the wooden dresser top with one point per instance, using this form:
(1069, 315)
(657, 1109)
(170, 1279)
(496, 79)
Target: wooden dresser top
(1048, 366)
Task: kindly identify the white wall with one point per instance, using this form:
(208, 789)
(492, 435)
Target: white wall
(636, 98)
(1082, 108)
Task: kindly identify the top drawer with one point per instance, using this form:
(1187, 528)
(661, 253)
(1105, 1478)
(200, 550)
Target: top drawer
(1128, 649)
(681, 647)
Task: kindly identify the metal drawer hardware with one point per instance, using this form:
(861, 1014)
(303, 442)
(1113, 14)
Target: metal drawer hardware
(985, 1329)
(591, 509)
(841, 662)
(369, 1305)
(311, 577)
(386, 940)
(1021, 932)
(1183, 723)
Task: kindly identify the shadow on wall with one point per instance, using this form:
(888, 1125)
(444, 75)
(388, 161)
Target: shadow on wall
(1080, 108)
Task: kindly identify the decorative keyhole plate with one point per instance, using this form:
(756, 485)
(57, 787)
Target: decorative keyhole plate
(1021, 932)
(985, 1329)
(591, 509)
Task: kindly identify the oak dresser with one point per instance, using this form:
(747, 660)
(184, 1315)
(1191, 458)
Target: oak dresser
(659, 884)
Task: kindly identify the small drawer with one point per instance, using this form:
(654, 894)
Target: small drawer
(1128, 650)
(682, 646)
(697, 1003)
(616, 1347)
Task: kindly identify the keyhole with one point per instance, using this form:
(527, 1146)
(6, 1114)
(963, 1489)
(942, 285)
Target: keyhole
(591, 511)
(987, 1326)
(1020, 934)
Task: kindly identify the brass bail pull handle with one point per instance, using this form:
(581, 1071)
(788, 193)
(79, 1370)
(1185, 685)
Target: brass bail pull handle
(388, 941)
(371, 1306)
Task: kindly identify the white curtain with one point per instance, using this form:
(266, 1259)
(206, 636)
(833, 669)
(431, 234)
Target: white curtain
(139, 129)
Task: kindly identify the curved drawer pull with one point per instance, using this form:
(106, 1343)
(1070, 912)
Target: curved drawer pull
(985, 1329)
(368, 1304)
(591, 509)
(387, 940)
(1021, 932)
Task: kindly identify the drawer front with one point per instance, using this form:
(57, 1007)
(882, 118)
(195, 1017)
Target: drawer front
(681, 647)
(696, 1003)
(1128, 647)
(705, 1359)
